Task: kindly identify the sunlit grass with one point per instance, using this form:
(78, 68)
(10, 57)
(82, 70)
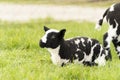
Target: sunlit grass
(21, 58)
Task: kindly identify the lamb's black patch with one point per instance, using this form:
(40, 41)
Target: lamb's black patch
(118, 30)
(96, 50)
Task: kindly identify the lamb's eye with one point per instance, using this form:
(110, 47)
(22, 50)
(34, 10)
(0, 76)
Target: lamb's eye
(53, 37)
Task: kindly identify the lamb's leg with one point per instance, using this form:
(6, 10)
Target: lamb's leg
(106, 44)
(117, 46)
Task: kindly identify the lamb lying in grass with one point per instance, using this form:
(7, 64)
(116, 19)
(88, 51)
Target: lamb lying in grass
(81, 50)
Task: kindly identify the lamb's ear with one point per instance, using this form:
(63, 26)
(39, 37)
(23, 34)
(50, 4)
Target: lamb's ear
(46, 28)
(62, 33)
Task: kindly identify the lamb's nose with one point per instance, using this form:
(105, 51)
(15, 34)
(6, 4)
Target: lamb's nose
(41, 44)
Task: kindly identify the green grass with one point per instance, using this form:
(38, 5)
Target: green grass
(21, 58)
(101, 3)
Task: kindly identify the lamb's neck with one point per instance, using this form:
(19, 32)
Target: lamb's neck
(54, 51)
(64, 44)
(57, 49)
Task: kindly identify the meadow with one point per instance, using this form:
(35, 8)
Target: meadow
(21, 58)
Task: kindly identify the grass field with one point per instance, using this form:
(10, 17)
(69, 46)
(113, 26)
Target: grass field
(21, 58)
(101, 3)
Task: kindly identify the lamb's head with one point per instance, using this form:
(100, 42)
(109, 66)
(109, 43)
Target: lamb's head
(52, 38)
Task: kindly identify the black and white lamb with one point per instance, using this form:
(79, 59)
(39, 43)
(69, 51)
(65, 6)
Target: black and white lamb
(81, 50)
(112, 15)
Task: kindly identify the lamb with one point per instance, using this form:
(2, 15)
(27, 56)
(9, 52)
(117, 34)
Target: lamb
(112, 15)
(81, 50)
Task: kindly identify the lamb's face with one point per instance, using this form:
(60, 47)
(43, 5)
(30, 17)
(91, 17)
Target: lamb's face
(52, 38)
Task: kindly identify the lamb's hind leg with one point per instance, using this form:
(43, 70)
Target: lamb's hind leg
(106, 43)
(116, 43)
